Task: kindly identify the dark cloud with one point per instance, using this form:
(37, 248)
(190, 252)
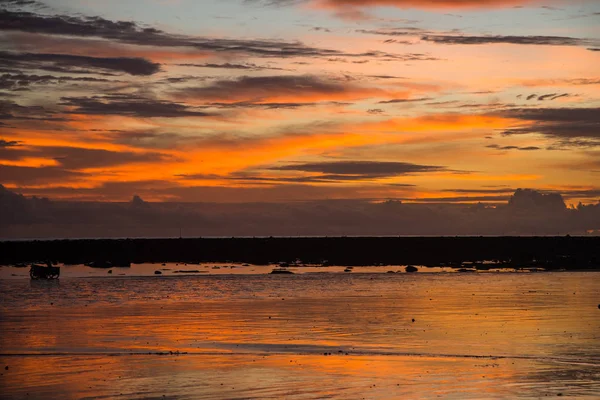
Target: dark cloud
(498, 147)
(488, 191)
(76, 64)
(132, 106)
(8, 143)
(11, 110)
(403, 31)
(461, 199)
(393, 101)
(259, 88)
(448, 103)
(557, 115)
(12, 152)
(329, 172)
(74, 158)
(323, 178)
(361, 169)
(74, 26)
(529, 212)
(529, 148)
(183, 79)
(19, 3)
(528, 199)
(245, 66)
(480, 106)
(32, 175)
(129, 32)
(570, 126)
(396, 41)
(393, 57)
(455, 37)
(20, 81)
(579, 193)
(271, 105)
(251, 179)
(551, 96)
(489, 39)
(532, 200)
(385, 77)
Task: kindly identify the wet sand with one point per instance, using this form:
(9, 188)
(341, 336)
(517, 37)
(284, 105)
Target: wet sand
(305, 336)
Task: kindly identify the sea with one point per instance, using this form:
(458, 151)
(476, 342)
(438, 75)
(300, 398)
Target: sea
(225, 331)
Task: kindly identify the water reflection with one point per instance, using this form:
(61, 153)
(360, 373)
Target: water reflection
(293, 376)
(43, 284)
(503, 335)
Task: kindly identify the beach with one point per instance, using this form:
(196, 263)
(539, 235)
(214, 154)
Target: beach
(304, 336)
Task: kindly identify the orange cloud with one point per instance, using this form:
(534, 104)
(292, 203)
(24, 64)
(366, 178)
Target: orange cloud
(208, 159)
(449, 123)
(205, 155)
(286, 89)
(491, 177)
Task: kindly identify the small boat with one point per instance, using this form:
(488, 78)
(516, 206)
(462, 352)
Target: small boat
(44, 271)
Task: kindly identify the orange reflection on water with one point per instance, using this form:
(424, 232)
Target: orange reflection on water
(279, 376)
(314, 335)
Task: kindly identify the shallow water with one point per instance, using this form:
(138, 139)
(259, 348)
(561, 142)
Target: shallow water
(181, 269)
(492, 335)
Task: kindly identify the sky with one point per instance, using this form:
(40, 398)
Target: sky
(235, 101)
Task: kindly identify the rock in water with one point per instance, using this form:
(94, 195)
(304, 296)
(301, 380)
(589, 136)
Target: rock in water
(281, 271)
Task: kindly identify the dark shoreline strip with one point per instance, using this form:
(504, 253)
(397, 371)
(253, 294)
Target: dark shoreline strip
(559, 252)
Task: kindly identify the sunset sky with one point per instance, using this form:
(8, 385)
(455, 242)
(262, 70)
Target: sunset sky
(284, 100)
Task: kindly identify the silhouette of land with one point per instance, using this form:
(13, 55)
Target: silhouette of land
(570, 253)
